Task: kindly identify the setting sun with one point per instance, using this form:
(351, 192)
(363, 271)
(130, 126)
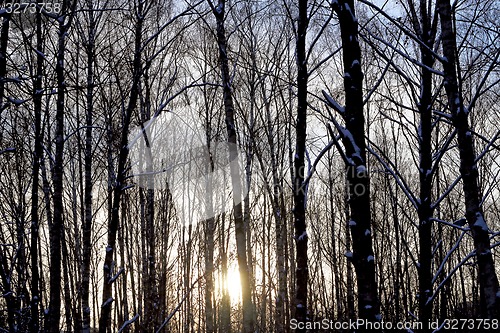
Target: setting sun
(233, 284)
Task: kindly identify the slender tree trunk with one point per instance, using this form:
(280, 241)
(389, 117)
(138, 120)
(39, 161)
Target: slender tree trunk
(241, 244)
(357, 175)
(225, 307)
(280, 232)
(87, 224)
(149, 274)
(68, 285)
(119, 184)
(37, 154)
(299, 191)
(4, 41)
(488, 281)
(56, 227)
(426, 31)
(209, 227)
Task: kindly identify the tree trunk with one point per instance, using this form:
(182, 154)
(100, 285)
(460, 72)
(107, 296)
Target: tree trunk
(239, 225)
(56, 227)
(87, 223)
(488, 281)
(426, 32)
(37, 154)
(299, 190)
(119, 184)
(209, 224)
(4, 41)
(357, 175)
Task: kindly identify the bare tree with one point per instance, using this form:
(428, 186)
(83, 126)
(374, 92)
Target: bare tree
(241, 242)
(57, 225)
(358, 182)
(299, 187)
(119, 184)
(488, 281)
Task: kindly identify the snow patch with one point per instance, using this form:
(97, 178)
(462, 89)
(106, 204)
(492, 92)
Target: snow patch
(108, 301)
(219, 8)
(352, 223)
(480, 222)
(368, 306)
(370, 258)
(303, 236)
(361, 170)
(348, 8)
(333, 103)
(367, 232)
(348, 254)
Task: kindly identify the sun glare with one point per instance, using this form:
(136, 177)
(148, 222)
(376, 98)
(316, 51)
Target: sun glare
(234, 284)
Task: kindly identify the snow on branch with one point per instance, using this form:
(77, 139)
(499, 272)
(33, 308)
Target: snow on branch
(445, 280)
(128, 323)
(113, 279)
(403, 28)
(445, 193)
(349, 143)
(403, 54)
(333, 103)
(457, 224)
(8, 150)
(169, 317)
(447, 256)
(108, 302)
(312, 168)
(397, 177)
(379, 81)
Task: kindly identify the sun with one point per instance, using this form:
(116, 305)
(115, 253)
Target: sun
(233, 284)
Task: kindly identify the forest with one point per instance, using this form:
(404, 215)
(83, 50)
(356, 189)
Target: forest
(249, 166)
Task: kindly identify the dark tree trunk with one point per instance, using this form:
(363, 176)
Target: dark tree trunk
(426, 31)
(209, 225)
(56, 227)
(87, 223)
(119, 184)
(488, 281)
(299, 190)
(37, 154)
(357, 174)
(239, 225)
(4, 41)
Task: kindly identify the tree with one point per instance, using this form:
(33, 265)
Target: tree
(56, 228)
(121, 176)
(239, 225)
(37, 155)
(358, 182)
(488, 281)
(299, 188)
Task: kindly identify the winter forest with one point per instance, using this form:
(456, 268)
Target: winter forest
(249, 166)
